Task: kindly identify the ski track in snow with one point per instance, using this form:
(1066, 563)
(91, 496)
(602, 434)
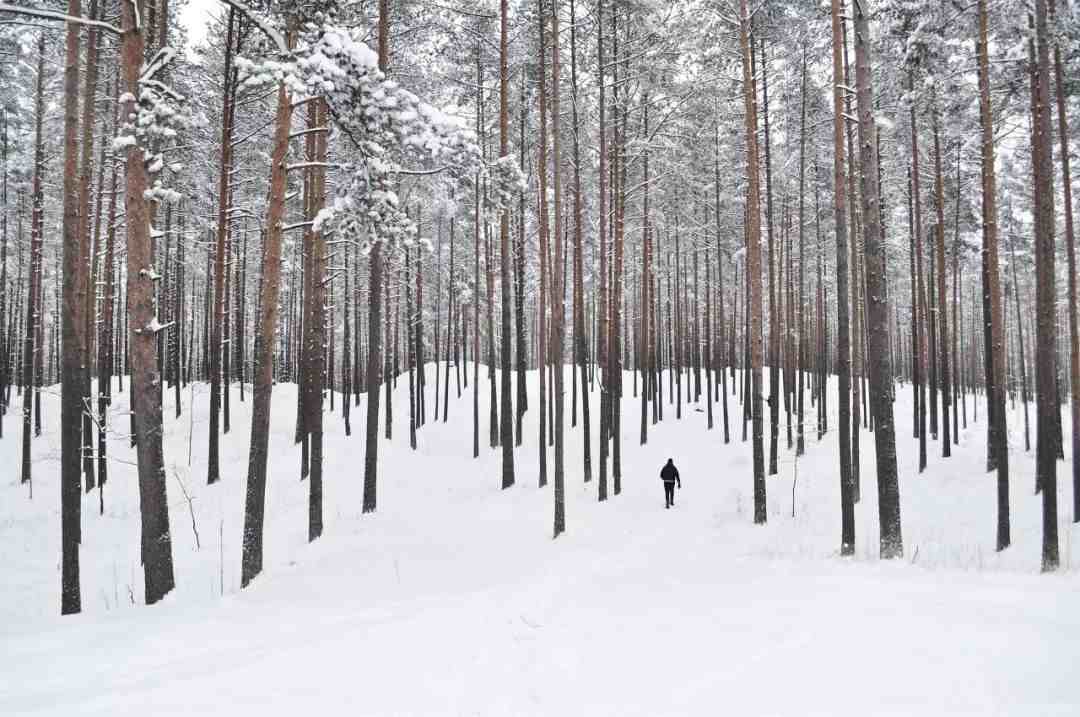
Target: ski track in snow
(453, 598)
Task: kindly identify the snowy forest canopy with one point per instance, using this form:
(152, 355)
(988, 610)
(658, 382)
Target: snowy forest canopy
(613, 193)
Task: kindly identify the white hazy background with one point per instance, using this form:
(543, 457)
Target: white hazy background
(195, 17)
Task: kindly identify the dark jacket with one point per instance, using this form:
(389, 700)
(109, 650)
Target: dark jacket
(670, 474)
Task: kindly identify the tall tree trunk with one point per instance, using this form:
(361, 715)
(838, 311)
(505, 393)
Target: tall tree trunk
(142, 318)
(73, 338)
(579, 348)
(376, 272)
(620, 105)
(86, 314)
(450, 338)
(5, 332)
(558, 305)
(1021, 353)
(213, 470)
(410, 356)
(720, 290)
(493, 384)
(1045, 318)
(506, 425)
(476, 266)
(602, 308)
(541, 332)
(843, 342)
(921, 318)
(255, 497)
(390, 346)
(313, 359)
(519, 284)
(643, 323)
(800, 441)
(1070, 254)
(33, 311)
(618, 205)
(753, 263)
(347, 349)
(854, 280)
(881, 378)
(105, 332)
(942, 307)
(774, 316)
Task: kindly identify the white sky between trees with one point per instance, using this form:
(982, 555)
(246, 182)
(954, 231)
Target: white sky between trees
(195, 16)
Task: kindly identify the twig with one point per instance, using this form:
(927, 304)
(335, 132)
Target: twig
(191, 508)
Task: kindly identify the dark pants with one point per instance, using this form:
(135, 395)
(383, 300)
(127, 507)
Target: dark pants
(669, 494)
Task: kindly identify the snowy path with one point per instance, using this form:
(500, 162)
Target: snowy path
(453, 599)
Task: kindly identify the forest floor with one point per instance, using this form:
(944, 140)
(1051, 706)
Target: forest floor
(454, 599)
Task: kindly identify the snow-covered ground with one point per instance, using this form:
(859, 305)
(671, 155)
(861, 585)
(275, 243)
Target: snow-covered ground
(453, 598)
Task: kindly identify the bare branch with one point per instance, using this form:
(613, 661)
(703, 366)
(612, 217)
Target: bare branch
(53, 15)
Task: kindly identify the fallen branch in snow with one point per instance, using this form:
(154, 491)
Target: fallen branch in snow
(794, 480)
(191, 508)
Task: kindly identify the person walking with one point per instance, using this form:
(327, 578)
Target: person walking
(669, 474)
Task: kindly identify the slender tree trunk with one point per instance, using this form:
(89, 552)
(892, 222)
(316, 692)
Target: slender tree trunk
(73, 340)
(602, 308)
(1070, 254)
(579, 348)
(843, 359)
(33, 311)
(213, 469)
(410, 356)
(643, 313)
(376, 275)
(493, 385)
(800, 441)
(958, 374)
(942, 296)
(854, 280)
(753, 264)
(881, 378)
(450, 338)
(1045, 318)
(390, 345)
(1021, 350)
(145, 379)
(86, 313)
(506, 426)
(774, 315)
(105, 332)
(5, 330)
(255, 497)
(558, 313)
(519, 295)
(476, 268)
(921, 319)
(541, 332)
(313, 359)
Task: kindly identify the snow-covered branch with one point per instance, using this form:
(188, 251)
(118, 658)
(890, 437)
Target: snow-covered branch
(264, 24)
(53, 15)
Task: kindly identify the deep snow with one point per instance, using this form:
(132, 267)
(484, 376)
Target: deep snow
(453, 598)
